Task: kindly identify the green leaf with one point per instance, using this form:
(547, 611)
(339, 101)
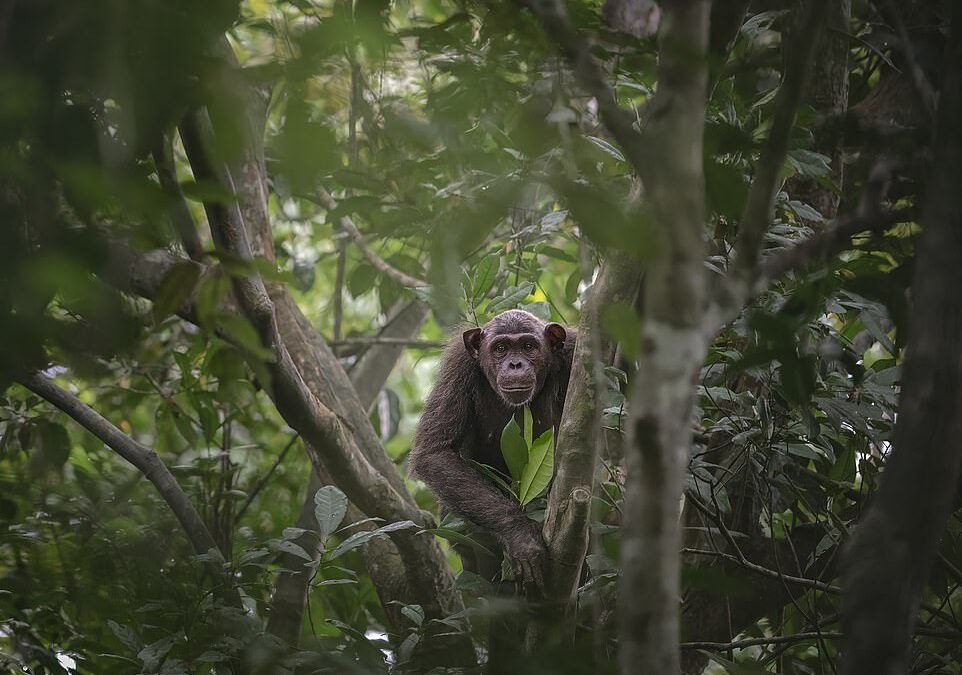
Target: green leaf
(456, 537)
(539, 469)
(414, 612)
(178, 285)
(511, 298)
(485, 275)
(528, 426)
(361, 538)
(330, 505)
(514, 449)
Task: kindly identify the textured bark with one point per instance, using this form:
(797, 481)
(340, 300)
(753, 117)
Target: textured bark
(673, 347)
(569, 501)
(890, 555)
(381, 557)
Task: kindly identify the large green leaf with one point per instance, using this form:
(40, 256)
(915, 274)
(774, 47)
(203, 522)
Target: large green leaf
(330, 505)
(537, 472)
(514, 449)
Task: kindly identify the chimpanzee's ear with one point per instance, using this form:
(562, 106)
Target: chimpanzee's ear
(472, 341)
(555, 334)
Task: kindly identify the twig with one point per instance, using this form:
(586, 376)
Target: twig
(919, 80)
(761, 197)
(556, 23)
(764, 571)
(827, 242)
(265, 479)
(755, 642)
(325, 199)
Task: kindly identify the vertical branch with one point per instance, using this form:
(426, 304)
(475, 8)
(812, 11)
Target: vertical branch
(761, 198)
(569, 501)
(889, 557)
(180, 216)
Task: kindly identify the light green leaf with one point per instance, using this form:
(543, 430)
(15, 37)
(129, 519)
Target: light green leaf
(514, 449)
(178, 285)
(539, 469)
(330, 505)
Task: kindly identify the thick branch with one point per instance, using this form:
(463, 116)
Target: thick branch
(761, 197)
(325, 199)
(569, 501)
(331, 442)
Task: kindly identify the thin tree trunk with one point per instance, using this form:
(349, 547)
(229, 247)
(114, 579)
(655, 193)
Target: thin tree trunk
(673, 347)
(569, 501)
(888, 561)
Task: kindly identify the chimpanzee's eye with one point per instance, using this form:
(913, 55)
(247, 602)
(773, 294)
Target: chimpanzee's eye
(501, 349)
(529, 346)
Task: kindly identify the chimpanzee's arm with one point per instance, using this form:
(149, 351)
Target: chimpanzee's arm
(447, 422)
(445, 426)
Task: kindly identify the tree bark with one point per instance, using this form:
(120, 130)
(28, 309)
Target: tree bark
(382, 560)
(576, 453)
(673, 347)
(888, 561)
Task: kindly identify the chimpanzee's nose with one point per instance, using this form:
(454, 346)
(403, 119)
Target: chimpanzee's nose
(513, 365)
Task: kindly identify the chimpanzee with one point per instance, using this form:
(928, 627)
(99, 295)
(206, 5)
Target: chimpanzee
(486, 376)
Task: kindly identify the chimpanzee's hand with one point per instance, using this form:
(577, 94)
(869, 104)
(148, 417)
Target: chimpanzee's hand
(526, 553)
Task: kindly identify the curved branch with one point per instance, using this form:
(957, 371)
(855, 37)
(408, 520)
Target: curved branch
(142, 457)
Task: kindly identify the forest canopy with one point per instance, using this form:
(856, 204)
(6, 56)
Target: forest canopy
(237, 237)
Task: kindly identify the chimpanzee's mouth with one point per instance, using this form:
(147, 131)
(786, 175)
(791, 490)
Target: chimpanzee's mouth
(525, 388)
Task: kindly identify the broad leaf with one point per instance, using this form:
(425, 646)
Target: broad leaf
(514, 449)
(330, 505)
(540, 467)
(361, 538)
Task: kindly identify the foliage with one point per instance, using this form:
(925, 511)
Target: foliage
(463, 151)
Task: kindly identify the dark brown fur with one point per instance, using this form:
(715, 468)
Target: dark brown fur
(463, 419)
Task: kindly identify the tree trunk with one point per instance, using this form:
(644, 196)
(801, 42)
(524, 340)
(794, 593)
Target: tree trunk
(888, 561)
(673, 348)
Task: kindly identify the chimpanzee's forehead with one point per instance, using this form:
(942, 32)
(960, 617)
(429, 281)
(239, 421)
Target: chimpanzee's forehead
(514, 322)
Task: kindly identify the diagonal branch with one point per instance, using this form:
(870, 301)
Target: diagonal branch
(555, 21)
(142, 457)
(828, 242)
(761, 197)
(325, 199)
(331, 441)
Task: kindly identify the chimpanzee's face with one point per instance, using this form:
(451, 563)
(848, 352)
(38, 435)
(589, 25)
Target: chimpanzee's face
(515, 357)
